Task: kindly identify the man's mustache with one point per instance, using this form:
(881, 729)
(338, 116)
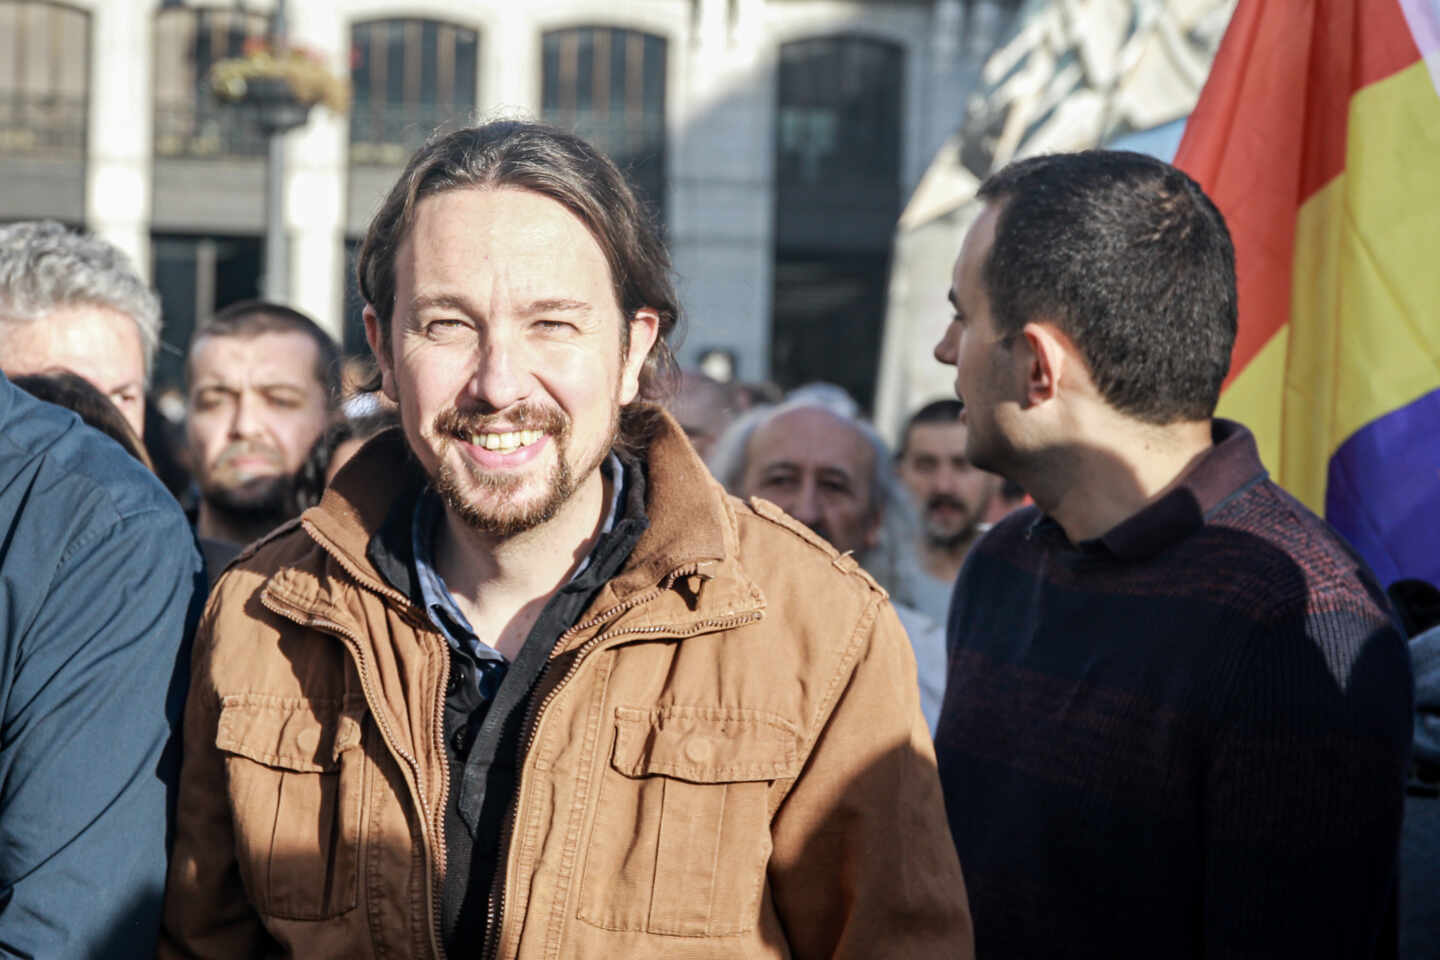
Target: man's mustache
(940, 500)
(462, 424)
(247, 448)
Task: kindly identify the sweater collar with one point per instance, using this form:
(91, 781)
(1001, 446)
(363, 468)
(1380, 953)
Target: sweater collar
(1230, 467)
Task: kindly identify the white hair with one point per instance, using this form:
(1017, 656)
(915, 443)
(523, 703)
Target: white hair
(44, 266)
(892, 561)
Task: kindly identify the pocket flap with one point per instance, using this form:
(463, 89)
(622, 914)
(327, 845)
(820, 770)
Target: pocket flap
(291, 733)
(704, 744)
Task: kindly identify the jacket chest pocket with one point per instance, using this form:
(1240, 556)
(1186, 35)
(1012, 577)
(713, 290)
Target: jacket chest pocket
(681, 836)
(295, 771)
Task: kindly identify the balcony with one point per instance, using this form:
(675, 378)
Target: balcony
(199, 128)
(42, 124)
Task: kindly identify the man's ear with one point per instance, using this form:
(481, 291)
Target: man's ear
(380, 347)
(644, 329)
(1043, 356)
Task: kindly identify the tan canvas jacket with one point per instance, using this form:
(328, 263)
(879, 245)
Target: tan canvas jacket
(726, 756)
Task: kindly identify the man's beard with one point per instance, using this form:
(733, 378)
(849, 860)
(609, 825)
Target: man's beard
(508, 519)
(248, 501)
(947, 537)
(266, 501)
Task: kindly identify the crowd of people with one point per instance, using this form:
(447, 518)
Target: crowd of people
(525, 643)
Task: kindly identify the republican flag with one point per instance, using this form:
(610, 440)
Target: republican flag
(1318, 136)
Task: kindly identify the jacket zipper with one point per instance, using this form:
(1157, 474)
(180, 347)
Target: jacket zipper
(434, 888)
(353, 643)
(496, 901)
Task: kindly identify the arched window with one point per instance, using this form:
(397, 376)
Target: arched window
(44, 78)
(189, 121)
(837, 198)
(409, 77)
(608, 85)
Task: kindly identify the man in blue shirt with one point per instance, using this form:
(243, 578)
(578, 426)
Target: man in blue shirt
(100, 584)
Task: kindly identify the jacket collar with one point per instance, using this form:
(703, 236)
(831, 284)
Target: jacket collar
(685, 566)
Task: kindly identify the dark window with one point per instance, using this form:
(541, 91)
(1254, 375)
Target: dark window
(408, 78)
(608, 86)
(44, 78)
(839, 113)
(195, 276)
(837, 198)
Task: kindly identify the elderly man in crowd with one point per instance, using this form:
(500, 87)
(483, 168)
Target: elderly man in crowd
(526, 683)
(71, 301)
(819, 462)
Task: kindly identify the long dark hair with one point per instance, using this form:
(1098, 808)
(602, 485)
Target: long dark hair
(555, 164)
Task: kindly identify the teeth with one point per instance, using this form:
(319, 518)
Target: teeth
(506, 442)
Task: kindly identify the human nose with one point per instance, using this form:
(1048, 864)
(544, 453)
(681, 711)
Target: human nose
(806, 508)
(245, 417)
(498, 379)
(946, 350)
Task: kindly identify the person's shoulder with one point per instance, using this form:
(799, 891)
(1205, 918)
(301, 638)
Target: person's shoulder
(783, 547)
(287, 546)
(1289, 555)
(71, 469)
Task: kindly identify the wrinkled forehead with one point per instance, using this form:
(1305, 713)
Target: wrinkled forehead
(812, 438)
(100, 344)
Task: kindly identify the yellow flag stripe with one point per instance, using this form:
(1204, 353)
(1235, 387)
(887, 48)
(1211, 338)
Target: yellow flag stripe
(1364, 331)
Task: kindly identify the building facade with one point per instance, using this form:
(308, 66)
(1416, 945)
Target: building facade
(774, 139)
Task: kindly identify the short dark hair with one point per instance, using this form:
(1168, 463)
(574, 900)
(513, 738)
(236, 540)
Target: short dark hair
(251, 318)
(936, 411)
(554, 164)
(1133, 261)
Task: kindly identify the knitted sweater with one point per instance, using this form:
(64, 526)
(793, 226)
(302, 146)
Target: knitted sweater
(1187, 738)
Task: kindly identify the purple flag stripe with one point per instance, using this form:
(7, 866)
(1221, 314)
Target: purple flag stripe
(1383, 492)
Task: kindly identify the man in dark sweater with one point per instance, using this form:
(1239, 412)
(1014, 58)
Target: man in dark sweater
(1178, 711)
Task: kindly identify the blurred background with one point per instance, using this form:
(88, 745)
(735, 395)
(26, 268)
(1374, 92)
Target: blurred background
(812, 162)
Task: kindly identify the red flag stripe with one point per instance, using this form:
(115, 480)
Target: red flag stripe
(1270, 130)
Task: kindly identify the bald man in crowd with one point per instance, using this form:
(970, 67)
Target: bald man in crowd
(819, 462)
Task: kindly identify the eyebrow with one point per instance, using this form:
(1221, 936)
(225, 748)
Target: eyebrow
(451, 301)
(268, 386)
(554, 305)
(950, 295)
(438, 301)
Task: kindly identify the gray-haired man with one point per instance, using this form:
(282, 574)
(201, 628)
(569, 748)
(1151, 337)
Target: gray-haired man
(71, 301)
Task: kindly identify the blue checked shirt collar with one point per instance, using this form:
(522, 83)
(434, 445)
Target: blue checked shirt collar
(440, 604)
